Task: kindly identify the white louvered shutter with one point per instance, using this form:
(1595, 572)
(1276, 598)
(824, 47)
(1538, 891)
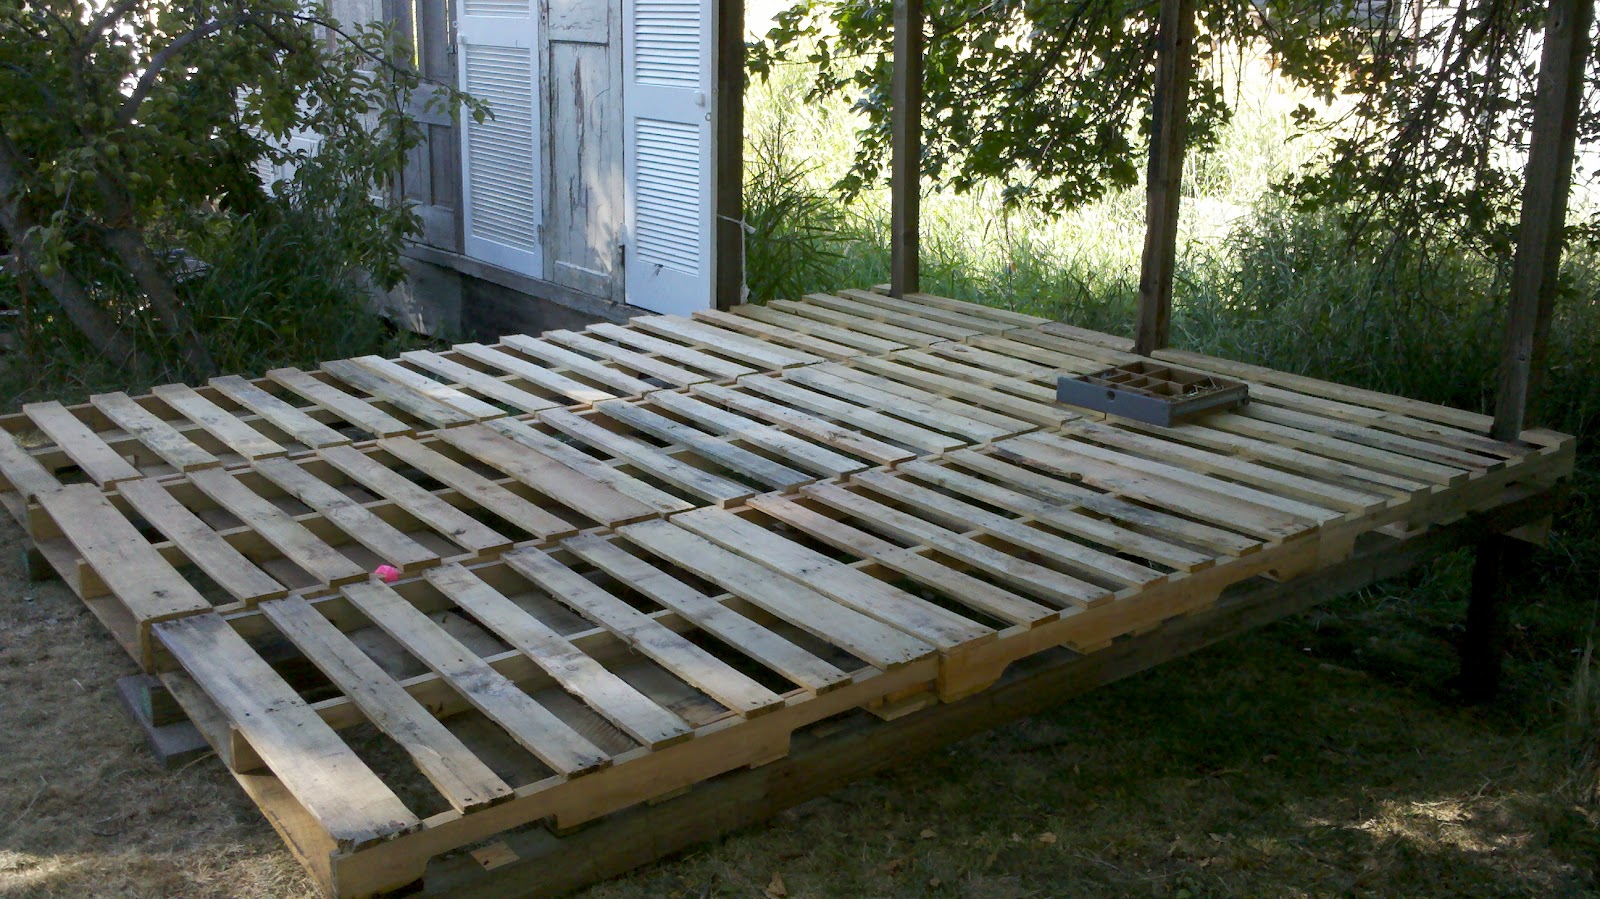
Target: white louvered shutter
(502, 204)
(668, 65)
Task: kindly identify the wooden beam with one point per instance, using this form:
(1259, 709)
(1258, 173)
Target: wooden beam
(729, 155)
(905, 178)
(1164, 179)
(1502, 562)
(1544, 212)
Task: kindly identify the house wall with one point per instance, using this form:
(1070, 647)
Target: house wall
(580, 53)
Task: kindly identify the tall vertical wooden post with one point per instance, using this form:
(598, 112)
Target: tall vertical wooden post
(729, 155)
(905, 177)
(1502, 560)
(1169, 132)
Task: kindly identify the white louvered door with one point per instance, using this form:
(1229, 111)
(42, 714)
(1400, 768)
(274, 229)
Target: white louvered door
(668, 66)
(501, 173)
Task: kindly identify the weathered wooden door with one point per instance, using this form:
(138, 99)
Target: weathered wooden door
(668, 65)
(584, 216)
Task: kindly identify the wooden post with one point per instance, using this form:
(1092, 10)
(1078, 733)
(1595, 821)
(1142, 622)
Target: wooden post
(729, 143)
(905, 177)
(1544, 211)
(1502, 561)
(1169, 132)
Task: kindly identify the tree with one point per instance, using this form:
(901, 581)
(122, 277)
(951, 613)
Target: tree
(128, 126)
(1050, 100)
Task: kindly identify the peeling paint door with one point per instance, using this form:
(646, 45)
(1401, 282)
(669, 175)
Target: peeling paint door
(586, 197)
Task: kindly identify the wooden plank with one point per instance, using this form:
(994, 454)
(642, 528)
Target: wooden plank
(420, 504)
(847, 439)
(740, 461)
(647, 458)
(666, 648)
(99, 461)
(1283, 456)
(212, 554)
(135, 573)
(297, 544)
(222, 424)
(905, 141)
(964, 588)
(654, 368)
(1067, 459)
(1312, 491)
(348, 515)
(902, 322)
(1061, 517)
(1087, 562)
(993, 313)
(727, 161)
(1231, 490)
(1558, 106)
(358, 412)
(1470, 421)
(459, 775)
(778, 318)
(853, 318)
(160, 437)
(735, 346)
(614, 698)
(576, 391)
(677, 352)
(1169, 114)
(433, 390)
(914, 436)
(550, 477)
(861, 636)
(479, 489)
(1334, 447)
(22, 472)
(288, 419)
(734, 426)
(1028, 576)
(754, 640)
(431, 411)
(592, 468)
(1067, 493)
(974, 422)
(553, 355)
(800, 340)
(922, 312)
(1428, 450)
(1039, 406)
(841, 583)
(534, 727)
(335, 787)
(481, 381)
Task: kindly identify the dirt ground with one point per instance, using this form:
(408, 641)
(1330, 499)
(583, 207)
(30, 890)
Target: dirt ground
(1304, 759)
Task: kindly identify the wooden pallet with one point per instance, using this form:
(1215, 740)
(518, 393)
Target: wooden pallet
(840, 503)
(232, 422)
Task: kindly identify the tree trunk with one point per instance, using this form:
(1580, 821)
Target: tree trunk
(68, 293)
(125, 240)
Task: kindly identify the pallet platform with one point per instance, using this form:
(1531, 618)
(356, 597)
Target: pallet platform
(636, 558)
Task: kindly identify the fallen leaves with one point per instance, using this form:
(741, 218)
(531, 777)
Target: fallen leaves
(776, 888)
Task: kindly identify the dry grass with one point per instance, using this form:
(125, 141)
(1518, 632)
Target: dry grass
(1276, 764)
